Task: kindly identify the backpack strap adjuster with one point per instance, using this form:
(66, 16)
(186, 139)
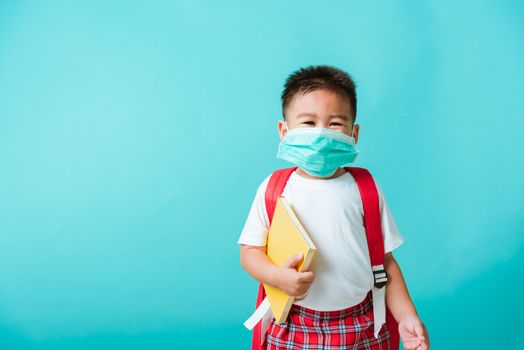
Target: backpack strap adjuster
(380, 276)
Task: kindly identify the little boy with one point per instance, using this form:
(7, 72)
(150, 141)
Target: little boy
(333, 308)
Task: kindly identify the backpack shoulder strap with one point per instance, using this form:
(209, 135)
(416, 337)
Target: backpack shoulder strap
(275, 187)
(373, 224)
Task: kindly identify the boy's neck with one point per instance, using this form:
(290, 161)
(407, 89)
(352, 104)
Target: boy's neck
(339, 172)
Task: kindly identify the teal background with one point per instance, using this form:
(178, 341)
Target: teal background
(133, 136)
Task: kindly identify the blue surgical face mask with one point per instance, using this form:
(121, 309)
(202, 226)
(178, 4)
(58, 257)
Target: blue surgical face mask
(318, 151)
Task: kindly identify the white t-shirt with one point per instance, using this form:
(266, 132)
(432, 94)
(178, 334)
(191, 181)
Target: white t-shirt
(331, 212)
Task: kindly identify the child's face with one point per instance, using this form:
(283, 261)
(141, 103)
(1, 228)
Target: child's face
(319, 109)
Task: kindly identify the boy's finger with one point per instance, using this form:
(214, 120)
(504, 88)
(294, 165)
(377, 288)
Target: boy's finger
(307, 276)
(293, 261)
(419, 330)
(411, 344)
(302, 296)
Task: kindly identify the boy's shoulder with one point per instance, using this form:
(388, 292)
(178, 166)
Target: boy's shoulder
(265, 182)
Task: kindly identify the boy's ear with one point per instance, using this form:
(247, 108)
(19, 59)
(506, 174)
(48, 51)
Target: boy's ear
(355, 132)
(281, 129)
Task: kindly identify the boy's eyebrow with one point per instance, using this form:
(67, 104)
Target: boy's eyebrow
(343, 116)
(309, 114)
(306, 114)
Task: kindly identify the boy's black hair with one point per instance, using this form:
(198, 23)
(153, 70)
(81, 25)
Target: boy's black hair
(312, 78)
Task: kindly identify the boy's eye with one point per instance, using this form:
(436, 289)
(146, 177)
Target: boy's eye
(309, 123)
(336, 124)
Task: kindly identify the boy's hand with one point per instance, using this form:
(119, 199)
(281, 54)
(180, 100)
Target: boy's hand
(413, 333)
(292, 282)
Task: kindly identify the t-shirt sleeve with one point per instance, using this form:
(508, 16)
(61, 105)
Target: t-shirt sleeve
(392, 237)
(256, 226)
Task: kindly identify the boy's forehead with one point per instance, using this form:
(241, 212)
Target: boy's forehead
(319, 102)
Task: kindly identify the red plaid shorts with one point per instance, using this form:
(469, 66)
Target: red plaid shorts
(350, 328)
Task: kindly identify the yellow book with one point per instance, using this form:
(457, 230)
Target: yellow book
(286, 237)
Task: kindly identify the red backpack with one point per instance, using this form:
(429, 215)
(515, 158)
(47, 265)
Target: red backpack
(372, 223)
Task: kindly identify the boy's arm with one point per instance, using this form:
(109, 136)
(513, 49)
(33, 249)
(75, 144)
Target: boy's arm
(412, 331)
(397, 296)
(255, 261)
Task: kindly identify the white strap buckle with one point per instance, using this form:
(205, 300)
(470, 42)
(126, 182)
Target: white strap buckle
(380, 276)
